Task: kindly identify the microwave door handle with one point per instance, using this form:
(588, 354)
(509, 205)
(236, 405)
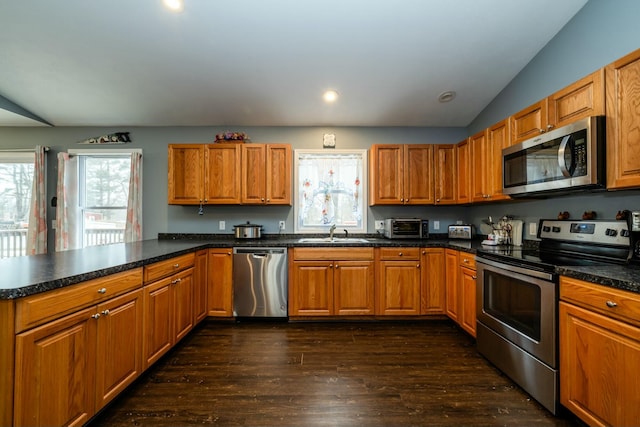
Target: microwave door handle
(561, 158)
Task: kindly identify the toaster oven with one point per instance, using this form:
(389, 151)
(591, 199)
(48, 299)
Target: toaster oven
(406, 228)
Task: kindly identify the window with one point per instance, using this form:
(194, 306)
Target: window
(16, 182)
(101, 178)
(330, 188)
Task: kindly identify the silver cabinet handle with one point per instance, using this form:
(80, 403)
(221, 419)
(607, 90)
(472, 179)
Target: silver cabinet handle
(102, 290)
(95, 316)
(330, 265)
(417, 265)
(549, 127)
(337, 266)
(400, 254)
(173, 282)
(611, 304)
(105, 312)
(474, 277)
(176, 265)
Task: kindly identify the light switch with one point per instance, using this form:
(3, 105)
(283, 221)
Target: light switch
(221, 225)
(436, 225)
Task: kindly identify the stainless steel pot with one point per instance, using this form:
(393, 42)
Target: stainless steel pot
(248, 231)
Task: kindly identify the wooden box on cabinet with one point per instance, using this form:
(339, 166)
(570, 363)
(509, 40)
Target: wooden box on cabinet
(398, 277)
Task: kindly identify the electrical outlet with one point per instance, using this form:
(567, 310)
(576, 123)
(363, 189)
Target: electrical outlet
(281, 225)
(436, 225)
(379, 225)
(222, 225)
(533, 228)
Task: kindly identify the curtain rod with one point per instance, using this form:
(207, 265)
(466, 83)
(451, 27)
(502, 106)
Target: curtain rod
(21, 150)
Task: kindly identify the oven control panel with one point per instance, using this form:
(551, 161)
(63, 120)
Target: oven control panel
(600, 231)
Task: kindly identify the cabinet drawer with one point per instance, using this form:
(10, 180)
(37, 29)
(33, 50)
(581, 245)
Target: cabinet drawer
(333, 254)
(167, 267)
(467, 260)
(617, 304)
(399, 253)
(37, 309)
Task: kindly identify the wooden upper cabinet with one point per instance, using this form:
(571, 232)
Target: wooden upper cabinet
(222, 173)
(266, 174)
(386, 174)
(418, 174)
(186, 174)
(445, 174)
(581, 99)
(480, 158)
(463, 166)
(401, 174)
(530, 122)
(498, 138)
(623, 122)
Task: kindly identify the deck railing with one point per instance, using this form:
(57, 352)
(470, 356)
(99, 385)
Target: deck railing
(98, 236)
(14, 242)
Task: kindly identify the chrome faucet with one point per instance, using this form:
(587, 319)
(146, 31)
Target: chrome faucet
(346, 233)
(331, 231)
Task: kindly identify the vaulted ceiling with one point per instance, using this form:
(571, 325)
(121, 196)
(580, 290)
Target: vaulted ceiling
(265, 62)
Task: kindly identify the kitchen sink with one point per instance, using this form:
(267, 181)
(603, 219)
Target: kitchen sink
(332, 240)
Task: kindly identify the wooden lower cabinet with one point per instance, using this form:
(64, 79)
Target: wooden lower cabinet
(451, 279)
(69, 368)
(168, 314)
(200, 287)
(467, 287)
(220, 282)
(433, 282)
(328, 282)
(398, 282)
(599, 353)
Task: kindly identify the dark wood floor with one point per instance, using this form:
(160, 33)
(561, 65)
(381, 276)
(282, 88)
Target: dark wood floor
(326, 374)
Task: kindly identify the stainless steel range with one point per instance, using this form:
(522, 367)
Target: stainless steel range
(517, 299)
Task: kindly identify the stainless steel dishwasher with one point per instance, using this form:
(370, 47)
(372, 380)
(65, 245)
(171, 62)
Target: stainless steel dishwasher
(260, 282)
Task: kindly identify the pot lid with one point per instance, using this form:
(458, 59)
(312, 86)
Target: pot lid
(247, 225)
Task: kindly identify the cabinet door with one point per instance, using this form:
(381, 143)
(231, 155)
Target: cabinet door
(119, 345)
(386, 174)
(445, 176)
(418, 174)
(581, 99)
(254, 185)
(451, 271)
(498, 138)
(479, 164)
(467, 315)
(398, 288)
(182, 303)
(200, 285)
(278, 174)
(530, 122)
(354, 288)
(157, 320)
(311, 288)
(599, 360)
(186, 174)
(222, 174)
(55, 368)
(433, 281)
(623, 122)
(220, 282)
(463, 168)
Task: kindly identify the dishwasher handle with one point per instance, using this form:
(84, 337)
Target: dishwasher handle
(259, 252)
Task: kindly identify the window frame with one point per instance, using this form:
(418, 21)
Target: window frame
(363, 196)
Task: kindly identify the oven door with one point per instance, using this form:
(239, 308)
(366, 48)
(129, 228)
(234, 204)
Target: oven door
(519, 307)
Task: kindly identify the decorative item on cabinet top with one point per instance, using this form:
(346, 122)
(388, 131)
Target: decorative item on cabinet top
(231, 137)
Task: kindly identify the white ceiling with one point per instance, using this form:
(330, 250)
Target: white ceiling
(266, 62)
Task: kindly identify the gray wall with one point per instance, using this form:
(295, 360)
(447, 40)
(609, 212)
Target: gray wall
(601, 32)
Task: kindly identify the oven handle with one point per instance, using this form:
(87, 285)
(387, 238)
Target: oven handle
(526, 271)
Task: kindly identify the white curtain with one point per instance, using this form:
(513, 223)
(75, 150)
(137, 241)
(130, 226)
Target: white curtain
(67, 236)
(37, 231)
(133, 226)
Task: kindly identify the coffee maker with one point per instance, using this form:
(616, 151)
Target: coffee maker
(633, 222)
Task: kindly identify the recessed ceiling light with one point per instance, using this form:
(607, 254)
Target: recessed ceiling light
(174, 5)
(447, 96)
(330, 96)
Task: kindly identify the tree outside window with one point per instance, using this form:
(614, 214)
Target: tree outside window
(16, 182)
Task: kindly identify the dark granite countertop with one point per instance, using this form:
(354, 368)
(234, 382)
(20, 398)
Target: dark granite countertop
(625, 277)
(23, 276)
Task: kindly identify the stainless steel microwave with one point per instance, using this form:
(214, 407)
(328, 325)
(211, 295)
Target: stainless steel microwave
(406, 228)
(568, 158)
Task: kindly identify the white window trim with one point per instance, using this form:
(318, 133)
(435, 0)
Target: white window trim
(363, 182)
(103, 152)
